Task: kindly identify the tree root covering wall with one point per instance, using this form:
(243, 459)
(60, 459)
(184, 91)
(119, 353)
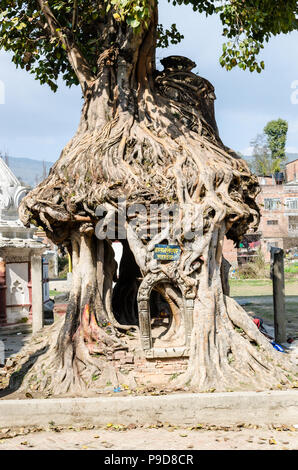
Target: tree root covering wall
(148, 136)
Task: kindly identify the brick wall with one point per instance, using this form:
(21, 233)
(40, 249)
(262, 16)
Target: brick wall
(292, 171)
(274, 222)
(277, 214)
(147, 372)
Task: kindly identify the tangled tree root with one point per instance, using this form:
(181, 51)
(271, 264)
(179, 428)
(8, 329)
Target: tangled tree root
(149, 136)
(241, 358)
(39, 368)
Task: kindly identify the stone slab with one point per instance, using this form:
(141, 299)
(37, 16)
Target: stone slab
(276, 407)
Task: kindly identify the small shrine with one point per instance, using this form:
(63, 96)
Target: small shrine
(23, 273)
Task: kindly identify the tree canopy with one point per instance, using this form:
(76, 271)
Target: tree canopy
(54, 37)
(269, 148)
(276, 132)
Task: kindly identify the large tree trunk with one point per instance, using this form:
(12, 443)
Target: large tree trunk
(150, 137)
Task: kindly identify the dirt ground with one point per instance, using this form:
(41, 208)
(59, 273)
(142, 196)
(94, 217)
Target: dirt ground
(161, 438)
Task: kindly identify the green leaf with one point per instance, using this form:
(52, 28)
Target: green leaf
(133, 22)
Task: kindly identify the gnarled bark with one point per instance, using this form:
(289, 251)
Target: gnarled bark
(151, 137)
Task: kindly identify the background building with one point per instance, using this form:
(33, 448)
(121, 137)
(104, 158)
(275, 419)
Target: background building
(278, 201)
(23, 272)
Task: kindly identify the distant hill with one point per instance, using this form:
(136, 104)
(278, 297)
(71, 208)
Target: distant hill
(29, 171)
(290, 157)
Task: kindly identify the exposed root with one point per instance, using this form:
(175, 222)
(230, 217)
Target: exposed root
(231, 353)
(150, 137)
(41, 368)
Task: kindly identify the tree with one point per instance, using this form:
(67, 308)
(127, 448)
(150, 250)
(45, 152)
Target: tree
(276, 132)
(269, 153)
(261, 164)
(148, 136)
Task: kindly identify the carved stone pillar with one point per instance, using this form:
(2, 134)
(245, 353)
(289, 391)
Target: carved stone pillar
(145, 327)
(37, 292)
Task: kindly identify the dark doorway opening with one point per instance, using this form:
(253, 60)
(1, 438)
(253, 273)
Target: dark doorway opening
(160, 316)
(124, 298)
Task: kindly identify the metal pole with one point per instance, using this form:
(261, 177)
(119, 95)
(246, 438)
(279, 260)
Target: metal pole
(278, 279)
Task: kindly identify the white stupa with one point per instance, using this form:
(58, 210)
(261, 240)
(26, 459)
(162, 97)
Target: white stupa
(11, 194)
(21, 270)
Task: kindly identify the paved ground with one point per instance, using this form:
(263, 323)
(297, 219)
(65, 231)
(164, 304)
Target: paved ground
(13, 342)
(164, 438)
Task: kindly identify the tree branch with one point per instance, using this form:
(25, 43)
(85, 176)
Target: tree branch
(74, 15)
(76, 58)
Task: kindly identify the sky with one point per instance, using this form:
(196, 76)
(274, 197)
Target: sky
(37, 123)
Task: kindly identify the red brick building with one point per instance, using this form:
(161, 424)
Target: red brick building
(278, 201)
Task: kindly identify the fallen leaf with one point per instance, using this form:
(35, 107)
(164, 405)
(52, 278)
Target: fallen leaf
(272, 442)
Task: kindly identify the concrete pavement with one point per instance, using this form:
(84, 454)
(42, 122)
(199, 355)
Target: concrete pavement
(184, 409)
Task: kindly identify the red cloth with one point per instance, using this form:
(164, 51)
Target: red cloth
(257, 322)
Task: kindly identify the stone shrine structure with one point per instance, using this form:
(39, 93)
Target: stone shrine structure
(23, 272)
